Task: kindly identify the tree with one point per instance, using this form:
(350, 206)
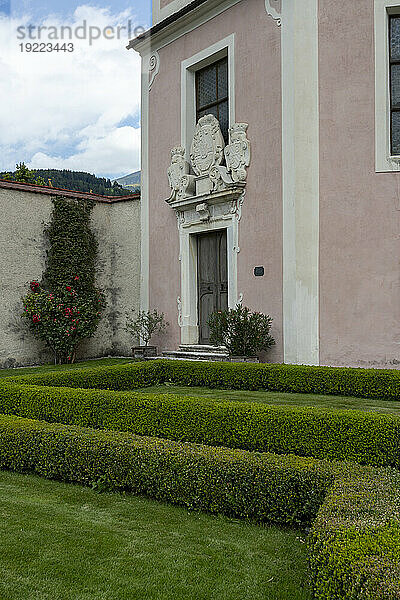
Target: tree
(24, 175)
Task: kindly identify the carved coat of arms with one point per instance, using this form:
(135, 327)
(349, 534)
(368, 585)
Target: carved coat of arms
(208, 145)
(178, 174)
(237, 153)
(208, 154)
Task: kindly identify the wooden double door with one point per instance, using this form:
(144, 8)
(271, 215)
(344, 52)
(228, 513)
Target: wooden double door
(212, 284)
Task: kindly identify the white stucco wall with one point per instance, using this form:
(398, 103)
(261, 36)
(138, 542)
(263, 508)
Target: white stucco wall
(22, 258)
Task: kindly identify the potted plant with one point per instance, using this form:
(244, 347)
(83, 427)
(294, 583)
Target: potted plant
(143, 327)
(244, 333)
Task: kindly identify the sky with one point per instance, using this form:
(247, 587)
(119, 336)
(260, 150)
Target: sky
(78, 109)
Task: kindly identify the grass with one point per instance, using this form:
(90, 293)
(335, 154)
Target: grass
(280, 398)
(64, 542)
(101, 362)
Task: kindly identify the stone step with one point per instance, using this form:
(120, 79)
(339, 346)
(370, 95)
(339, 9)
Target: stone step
(203, 348)
(184, 355)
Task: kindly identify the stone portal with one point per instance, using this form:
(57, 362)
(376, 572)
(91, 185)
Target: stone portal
(207, 195)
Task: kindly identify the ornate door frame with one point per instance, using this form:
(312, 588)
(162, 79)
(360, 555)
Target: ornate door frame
(188, 230)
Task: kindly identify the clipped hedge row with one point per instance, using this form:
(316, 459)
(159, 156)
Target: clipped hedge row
(363, 437)
(115, 377)
(362, 383)
(286, 490)
(354, 544)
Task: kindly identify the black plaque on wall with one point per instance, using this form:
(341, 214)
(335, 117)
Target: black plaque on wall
(259, 271)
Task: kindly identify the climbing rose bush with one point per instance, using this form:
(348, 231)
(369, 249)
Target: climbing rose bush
(63, 319)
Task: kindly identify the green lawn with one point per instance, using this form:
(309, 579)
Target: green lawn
(101, 362)
(279, 398)
(66, 542)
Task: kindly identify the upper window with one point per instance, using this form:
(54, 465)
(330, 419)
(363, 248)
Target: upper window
(387, 85)
(394, 62)
(212, 94)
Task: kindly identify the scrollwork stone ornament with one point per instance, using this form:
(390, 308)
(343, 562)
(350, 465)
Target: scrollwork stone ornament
(236, 207)
(207, 146)
(220, 178)
(180, 218)
(237, 153)
(180, 317)
(154, 67)
(273, 8)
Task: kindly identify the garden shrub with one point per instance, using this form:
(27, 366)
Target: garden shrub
(354, 543)
(243, 332)
(286, 490)
(364, 437)
(137, 375)
(363, 383)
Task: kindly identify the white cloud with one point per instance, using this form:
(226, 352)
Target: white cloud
(117, 150)
(69, 110)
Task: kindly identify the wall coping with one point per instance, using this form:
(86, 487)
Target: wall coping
(51, 191)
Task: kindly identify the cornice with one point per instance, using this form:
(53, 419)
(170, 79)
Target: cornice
(187, 23)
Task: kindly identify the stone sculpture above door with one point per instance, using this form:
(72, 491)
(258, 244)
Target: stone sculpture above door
(215, 172)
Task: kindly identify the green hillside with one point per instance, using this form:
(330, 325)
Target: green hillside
(78, 181)
(131, 182)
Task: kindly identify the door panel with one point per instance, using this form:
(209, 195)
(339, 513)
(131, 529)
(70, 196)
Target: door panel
(212, 279)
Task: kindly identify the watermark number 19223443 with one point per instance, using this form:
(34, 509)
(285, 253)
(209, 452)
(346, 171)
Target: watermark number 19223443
(46, 47)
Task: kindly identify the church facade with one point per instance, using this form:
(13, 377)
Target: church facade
(270, 172)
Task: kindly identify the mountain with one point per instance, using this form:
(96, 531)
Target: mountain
(130, 182)
(81, 181)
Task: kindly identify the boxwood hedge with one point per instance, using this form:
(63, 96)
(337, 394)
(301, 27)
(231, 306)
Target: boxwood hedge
(362, 383)
(363, 437)
(286, 490)
(354, 544)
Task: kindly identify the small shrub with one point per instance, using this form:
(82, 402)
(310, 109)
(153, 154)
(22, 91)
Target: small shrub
(146, 324)
(244, 333)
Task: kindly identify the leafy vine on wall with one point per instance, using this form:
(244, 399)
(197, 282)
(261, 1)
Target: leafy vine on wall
(65, 307)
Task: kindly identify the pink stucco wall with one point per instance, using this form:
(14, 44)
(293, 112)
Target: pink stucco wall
(359, 208)
(258, 102)
(164, 3)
